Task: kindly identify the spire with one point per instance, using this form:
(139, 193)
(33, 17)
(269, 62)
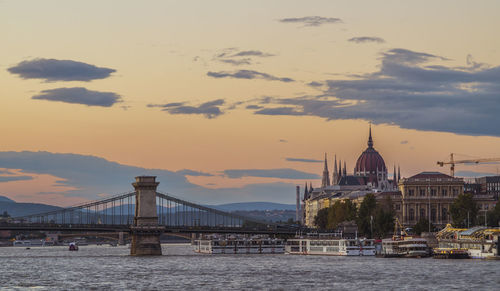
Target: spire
(306, 192)
(344, 172)
(335, 176)
(326, 175)
(340, 169)
(310, 187)
(399, 173)
(394, 181)
(370, 140)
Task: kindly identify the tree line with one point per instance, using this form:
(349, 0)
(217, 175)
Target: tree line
(377, 218)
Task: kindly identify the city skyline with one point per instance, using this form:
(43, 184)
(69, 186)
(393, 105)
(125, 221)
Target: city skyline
(238, 101)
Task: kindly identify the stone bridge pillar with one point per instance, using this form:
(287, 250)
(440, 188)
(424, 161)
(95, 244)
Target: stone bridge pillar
(145, 231)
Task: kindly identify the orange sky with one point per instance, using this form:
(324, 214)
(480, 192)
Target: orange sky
(163, 50)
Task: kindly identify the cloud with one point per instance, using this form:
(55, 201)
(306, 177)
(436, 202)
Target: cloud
(247, 74)
(414, 90)
(79, 95)
(14, 178)
(315, 84)
(52, 70)
(254, 107)
(187, 172)
(472, 174)
(269, 173)
(365, 39)
(404, 142)
(92, 176)
(235, 57)
(211, 109)
(312, 20)
(300, 160)
(283, 140)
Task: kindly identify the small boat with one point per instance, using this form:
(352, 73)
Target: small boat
(406, 247)
(73, 246)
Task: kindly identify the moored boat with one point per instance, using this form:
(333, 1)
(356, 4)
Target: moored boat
(73, 246)
(406, 246)
(330, 246)
(239, 245)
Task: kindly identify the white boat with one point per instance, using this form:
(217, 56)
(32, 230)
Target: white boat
(408, 247)
(239, 246)
(330, 246)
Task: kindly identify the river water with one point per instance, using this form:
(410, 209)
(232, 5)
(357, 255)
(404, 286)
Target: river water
(106, 267)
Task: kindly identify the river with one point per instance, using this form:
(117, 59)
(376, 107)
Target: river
(106, 267)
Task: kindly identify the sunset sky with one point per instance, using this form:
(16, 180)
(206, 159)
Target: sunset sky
(230, 101)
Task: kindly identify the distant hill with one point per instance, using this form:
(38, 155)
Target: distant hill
(21, 209)
(251, 206)
(5, 199)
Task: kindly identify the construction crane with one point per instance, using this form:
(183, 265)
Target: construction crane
(452, 162)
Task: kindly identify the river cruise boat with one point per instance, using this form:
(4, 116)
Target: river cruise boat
(330, 246)
(480, 242)
(239, 245)
(405, 247)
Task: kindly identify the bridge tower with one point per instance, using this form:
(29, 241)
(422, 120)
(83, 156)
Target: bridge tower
(145, 231)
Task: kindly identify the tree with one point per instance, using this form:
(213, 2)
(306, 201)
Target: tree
(365, 213)
(384, 217)
(494, 216)
(321, 219)
(339, 212)
(423, 226)
(463, 211)
(5, 214)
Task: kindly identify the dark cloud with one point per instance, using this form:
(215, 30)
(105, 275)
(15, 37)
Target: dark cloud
(247, 74)
(409, 92)
(79, 95)
(210, 109)
(311, 20)
(283, 140)
(404, 142)
(52, 70)
(187, 172)
(365, 39)
(270, 173)
(14, 178)
(300, 160)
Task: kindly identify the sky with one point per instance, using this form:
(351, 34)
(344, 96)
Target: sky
(238, 101)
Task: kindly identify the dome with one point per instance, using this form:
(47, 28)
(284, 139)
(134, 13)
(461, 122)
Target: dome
(370, 162)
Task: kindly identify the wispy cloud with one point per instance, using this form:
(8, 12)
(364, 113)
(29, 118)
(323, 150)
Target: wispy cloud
(301, 160)
(187, 172)
(52, 70)
(236, 57)
(211, 109)
(269, 173)
(409, 90)
(365, 39)
(4, 179)
(79, 95)
(248, 74)
(312, 20)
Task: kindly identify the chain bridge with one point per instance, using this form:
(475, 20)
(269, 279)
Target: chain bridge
(144, 214)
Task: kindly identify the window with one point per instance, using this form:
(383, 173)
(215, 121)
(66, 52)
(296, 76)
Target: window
(422, 213)
(455, 191)
(422, 192)
(433, 215)
(410, 192)
(444, 192)
(412, 214)
(444, 215)
(397, 206)
(433, 191)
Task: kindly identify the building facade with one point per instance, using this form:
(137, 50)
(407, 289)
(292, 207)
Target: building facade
(428, 195)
